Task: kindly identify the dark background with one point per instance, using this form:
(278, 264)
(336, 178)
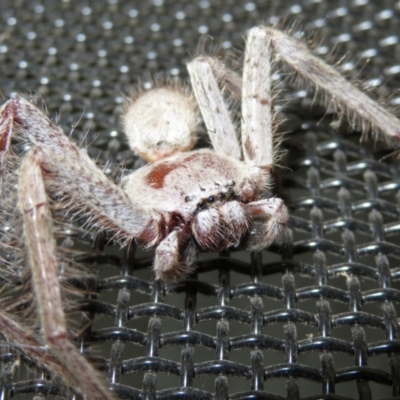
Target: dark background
(288, 325)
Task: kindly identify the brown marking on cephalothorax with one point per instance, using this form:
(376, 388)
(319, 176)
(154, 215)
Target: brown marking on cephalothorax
(156, 176)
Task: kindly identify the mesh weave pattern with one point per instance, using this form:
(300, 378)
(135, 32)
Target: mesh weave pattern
(315, 319)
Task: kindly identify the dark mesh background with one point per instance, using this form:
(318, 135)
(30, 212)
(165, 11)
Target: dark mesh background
(316, 319)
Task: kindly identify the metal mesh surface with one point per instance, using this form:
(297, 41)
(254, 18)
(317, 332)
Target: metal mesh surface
(317, 318)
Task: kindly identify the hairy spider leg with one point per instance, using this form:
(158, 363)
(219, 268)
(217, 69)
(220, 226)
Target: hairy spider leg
(57, 164)
(325, 77)
(32, 347)
(41, 248)
(73, 175)
(220, 127)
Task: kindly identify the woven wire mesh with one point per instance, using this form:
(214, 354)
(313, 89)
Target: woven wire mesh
(314, 319)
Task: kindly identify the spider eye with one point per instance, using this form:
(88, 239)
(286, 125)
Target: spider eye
(230, 195)
(187, 199)
(211, 199)
(201, 205)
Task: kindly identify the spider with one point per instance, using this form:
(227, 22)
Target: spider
(183, 201)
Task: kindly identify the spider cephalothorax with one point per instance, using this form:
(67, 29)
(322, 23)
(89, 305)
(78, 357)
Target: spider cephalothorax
(184, 200)
(203, 200)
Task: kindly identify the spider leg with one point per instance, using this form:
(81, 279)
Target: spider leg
(325, 77)
(20, 118)
(26, 343)
(174, 255)
(269, 221)
(41, 248)
(226, 78)
(72, 174)
(257, 107)
(215, 113)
